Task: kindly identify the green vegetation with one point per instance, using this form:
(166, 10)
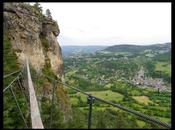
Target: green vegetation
(145, 101)
(108, 75)
(36, 9)
(79, 98)
(158, 69)
(11, 115)
(163, 66)
(43, 88)
(44, 42)
(108, 95)
(9, 57)
(142, 99)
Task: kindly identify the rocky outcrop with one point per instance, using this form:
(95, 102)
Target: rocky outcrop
(34, 36)
(25, 27)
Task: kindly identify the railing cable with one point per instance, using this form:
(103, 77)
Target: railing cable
(76, 89)
(11, 83)
(20, 86)
(35, 115)
(153, 120)
(7, 75)
(19, 109)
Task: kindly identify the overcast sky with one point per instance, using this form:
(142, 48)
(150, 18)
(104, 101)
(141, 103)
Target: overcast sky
(111, 23)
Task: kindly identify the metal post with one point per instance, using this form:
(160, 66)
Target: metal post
(90, 100)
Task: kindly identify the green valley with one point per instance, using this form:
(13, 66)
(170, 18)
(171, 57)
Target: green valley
(73, 66)
(139, 80)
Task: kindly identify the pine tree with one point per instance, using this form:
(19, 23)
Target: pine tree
(38, 7)
(48, 14)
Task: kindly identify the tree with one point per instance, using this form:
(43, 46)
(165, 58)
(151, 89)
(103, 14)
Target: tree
(38, 7)
(48, 14)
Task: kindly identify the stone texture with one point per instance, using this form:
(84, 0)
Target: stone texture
(24, 27)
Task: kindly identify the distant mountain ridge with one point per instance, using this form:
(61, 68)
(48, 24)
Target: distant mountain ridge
(138, 48)
(135, 49)
(69, 50)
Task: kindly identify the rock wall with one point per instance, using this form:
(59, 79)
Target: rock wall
(24, 27)
(34, 36)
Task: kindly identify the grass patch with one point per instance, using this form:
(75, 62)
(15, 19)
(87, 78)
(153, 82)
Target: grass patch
(135, 92)
(140, 123)
(83, 97)
(108, 85)
(142, 99)
(74, 101)
(106, 95)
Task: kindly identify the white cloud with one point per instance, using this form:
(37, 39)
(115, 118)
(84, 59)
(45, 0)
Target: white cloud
(112, 23)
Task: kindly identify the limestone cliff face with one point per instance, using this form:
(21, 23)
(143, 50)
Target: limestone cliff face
(50, 30)
(25, 27)
(34, 36)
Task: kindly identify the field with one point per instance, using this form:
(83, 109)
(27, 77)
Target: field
(109, 74)
(107, 95)
(142, 99)
(163, 66)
